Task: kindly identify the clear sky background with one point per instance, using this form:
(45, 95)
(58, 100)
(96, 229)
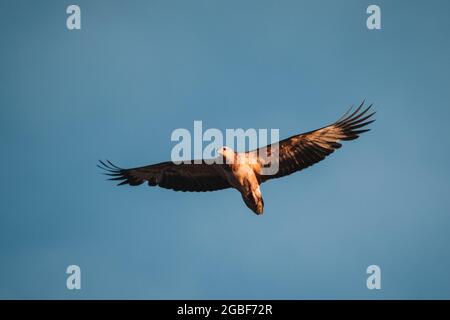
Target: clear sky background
(137, 70)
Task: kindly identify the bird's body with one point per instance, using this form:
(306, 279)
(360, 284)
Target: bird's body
(244, 171)
(243, 177)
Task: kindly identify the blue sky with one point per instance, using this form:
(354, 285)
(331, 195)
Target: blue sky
(118, 87)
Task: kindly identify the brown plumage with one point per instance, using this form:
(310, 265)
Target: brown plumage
(244, 170)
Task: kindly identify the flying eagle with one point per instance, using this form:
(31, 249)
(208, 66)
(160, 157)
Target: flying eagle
(244, 170)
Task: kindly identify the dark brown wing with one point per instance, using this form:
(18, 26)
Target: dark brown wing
(301, 151)
(178, 177)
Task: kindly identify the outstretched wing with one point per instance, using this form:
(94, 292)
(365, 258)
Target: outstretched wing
(178, 177)
(301, 151)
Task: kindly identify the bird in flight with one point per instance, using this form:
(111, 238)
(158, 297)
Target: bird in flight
(244, 171)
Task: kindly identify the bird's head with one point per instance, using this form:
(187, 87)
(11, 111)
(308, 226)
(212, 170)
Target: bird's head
(227, 153)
